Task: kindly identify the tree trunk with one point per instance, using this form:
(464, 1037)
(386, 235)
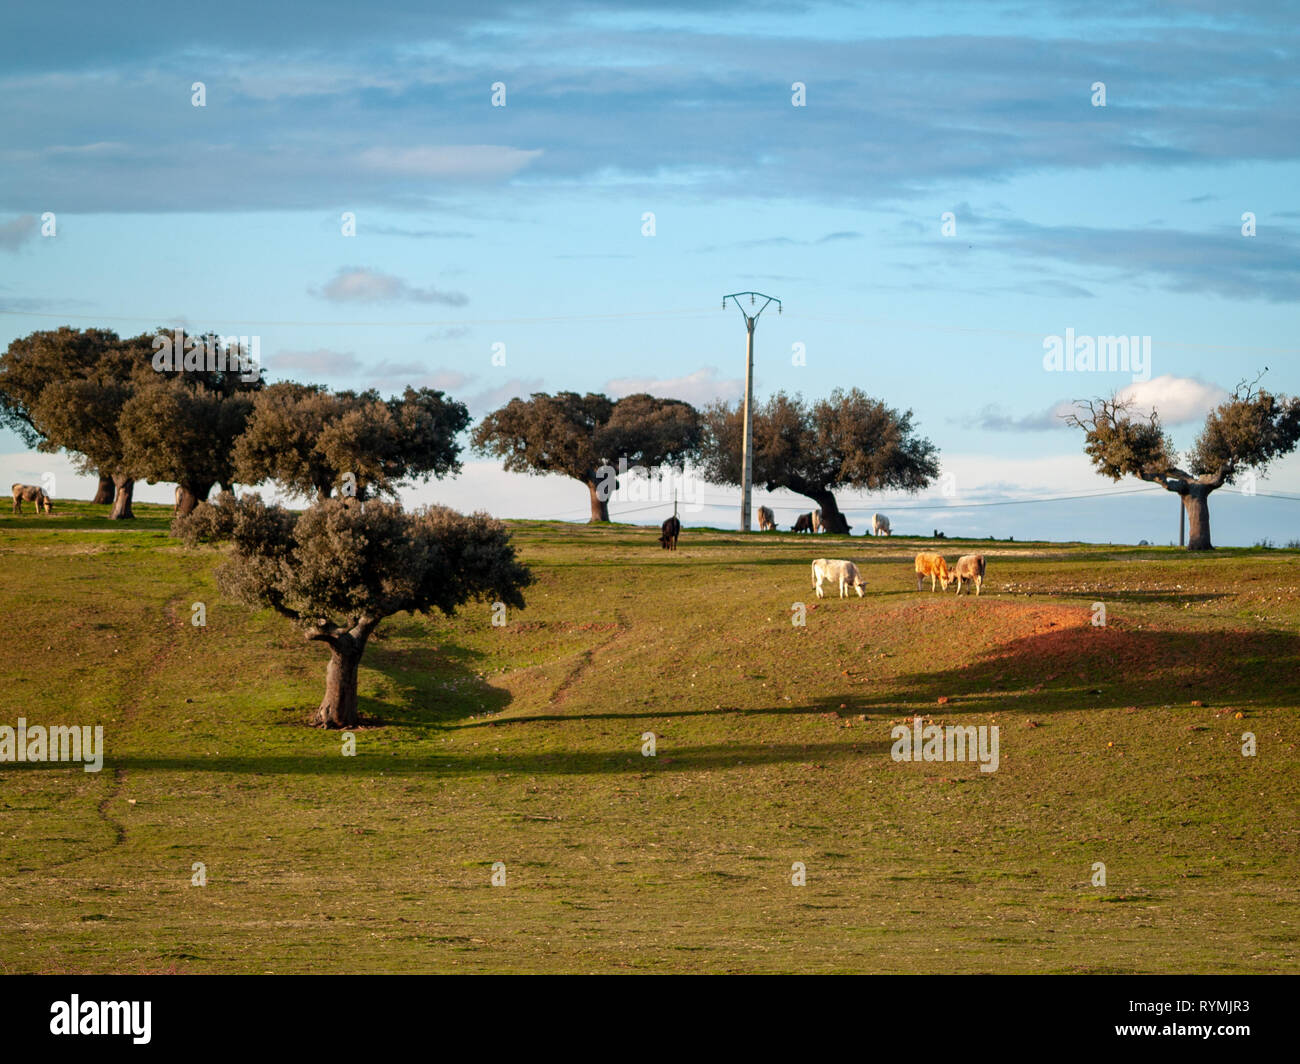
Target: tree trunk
(338, 709)
(104, 493)
(832, 519)
(1195, 494)
(188, 496)
(123, 494)
(1196, 502)
(599, 506)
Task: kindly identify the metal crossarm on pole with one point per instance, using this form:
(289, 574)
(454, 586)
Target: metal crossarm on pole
(747, 444)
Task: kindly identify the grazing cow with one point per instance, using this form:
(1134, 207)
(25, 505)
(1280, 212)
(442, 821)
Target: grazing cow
(933, 566)
(843, 573)
(817, 525)
(766, 519)
(672, 528)
(879, 525)
(803, 523)
(970, 567)
(31, 493)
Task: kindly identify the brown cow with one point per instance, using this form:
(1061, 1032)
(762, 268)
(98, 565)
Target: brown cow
(933, 566)
(969, 567)
(31, 493)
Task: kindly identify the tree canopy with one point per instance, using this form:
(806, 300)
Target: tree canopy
(584, 436)
(33, 362)
(307, 439)
(182, 427)
(848, 440)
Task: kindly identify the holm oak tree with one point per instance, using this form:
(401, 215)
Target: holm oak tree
(91, 369)
(339, 568)
(584, 436)
(182, 427)
(307, 439)
(1247, 430)
(848, 440)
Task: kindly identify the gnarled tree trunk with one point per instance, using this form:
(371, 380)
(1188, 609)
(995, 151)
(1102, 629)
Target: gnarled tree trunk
(338, 709)
(123, 493)
(832, 519)
(104, 493)
(1195, 492)
(1196, 501)
(189, 496)
(599, 506)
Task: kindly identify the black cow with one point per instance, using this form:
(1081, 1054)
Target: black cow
(803, 523)
(672, 528)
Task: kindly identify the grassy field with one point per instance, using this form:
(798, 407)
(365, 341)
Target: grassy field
(522, 744)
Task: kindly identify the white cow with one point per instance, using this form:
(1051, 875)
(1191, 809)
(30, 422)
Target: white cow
(766, 519)
(879, 525)
(969, 567)
(843, 573)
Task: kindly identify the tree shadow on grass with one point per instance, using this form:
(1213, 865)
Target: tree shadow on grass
(1068, 669)
(626, 759)
(436, 686)
(1087, 667)
(1112, 595)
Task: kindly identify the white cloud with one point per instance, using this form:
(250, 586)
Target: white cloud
(356, 284)
(1177, 399)
(383, 374)
(443, 380)
(468, 160)
(17, 231)
(517, 387)
(698, 388)
(320, 360)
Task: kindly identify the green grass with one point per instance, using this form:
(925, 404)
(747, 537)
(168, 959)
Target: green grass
(522, 744)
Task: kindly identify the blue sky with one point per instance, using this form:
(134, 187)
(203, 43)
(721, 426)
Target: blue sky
(523, 224)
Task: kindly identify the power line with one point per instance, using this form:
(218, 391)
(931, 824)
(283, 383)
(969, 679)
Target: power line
(373, 324)
(929, 326)
(1009, 502)
(860, 503)
(717, 500)
(689, 312)
(578, 512)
